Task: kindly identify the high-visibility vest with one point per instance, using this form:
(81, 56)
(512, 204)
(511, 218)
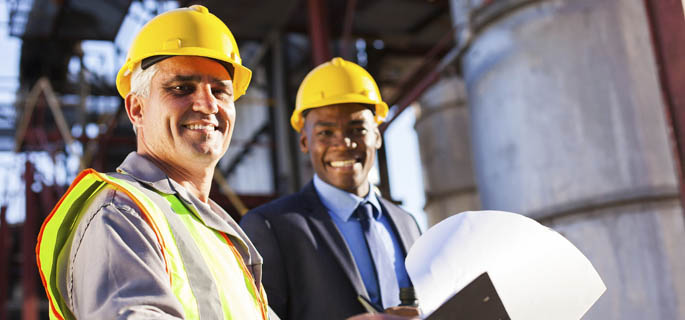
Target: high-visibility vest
(240, 298)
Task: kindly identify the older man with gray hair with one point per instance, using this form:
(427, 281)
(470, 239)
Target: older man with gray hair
(146, 241)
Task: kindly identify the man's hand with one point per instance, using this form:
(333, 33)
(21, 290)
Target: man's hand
(379, 316)
(392, 313)
(408, 312)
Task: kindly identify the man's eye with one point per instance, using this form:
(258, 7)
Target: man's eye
(359, 131)
(222, 92)
(181, 89)
(325, 133)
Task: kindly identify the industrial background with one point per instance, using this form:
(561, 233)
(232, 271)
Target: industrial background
(571, 112)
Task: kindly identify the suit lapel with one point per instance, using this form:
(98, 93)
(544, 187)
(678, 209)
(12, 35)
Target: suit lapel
(402, 230)
(321, 220)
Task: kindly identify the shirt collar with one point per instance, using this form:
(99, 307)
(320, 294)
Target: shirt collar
(146, 172)
(211, 214)
(342, 203)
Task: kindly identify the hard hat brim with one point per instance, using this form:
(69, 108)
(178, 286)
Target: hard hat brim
(297, 121)
(241, 78)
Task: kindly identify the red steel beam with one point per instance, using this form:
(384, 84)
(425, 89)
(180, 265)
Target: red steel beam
(667, 26)
(347, 43)
(4, 262)
(318, 31)
(29, 310)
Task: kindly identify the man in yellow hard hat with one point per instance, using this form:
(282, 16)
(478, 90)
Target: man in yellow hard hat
(337, 241)
(146, 242)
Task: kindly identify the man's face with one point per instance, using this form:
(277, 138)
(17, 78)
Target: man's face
(342, 140)
(188, 118)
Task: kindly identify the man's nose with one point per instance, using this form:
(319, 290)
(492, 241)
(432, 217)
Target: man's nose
(205, 101)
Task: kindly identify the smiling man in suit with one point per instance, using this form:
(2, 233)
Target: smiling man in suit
(336, 239)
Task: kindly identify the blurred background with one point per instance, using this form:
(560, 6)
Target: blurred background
(571, 112)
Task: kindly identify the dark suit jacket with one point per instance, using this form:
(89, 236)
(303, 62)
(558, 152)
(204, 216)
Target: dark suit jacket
(309, 271)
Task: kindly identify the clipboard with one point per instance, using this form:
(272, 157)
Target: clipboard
(478, 301)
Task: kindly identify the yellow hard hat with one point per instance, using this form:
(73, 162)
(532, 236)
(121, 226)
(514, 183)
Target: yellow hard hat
(189, 31)
(334, 82)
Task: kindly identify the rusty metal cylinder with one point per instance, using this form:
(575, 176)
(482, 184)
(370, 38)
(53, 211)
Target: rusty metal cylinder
(568, 127)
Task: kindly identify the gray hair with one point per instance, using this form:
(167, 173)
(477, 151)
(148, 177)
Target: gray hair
(141, 80)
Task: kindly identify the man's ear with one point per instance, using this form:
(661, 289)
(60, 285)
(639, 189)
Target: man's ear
(304, 144)
(379, 138)
(134, 109)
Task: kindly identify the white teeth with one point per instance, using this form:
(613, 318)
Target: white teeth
(343, 163)
(200, 127)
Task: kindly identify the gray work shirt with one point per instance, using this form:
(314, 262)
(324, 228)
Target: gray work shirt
(113, 267)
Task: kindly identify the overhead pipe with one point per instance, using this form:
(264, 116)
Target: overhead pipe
(428, 71)
(472, 23)
(347, 46)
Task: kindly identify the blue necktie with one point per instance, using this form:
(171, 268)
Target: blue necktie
(385, 270)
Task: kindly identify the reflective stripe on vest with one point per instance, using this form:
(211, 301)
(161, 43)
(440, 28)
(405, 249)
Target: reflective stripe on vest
(64, 219)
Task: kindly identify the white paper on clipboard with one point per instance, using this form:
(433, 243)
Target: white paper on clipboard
(537, 273)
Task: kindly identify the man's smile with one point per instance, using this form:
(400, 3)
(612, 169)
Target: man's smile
(200, 127)
(344, 163)
(204, 127)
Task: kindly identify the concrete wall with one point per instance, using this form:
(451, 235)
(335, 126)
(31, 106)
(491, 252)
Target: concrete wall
(568, 127)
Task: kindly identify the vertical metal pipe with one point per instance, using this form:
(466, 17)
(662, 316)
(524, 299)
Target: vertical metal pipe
(29, 310)
(667, 26)
(276, 179)
(288, 173)
(4, 262)
(318, 31)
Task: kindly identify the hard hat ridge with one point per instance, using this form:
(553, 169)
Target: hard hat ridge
(191, 31)
(335, 82)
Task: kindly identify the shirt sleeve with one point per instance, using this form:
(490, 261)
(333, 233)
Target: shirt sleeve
(116, 268)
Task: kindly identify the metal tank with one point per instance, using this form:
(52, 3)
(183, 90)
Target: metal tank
(568, 127)
(442, 126)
